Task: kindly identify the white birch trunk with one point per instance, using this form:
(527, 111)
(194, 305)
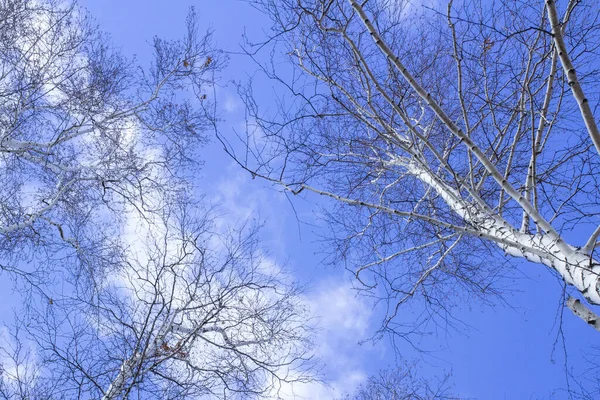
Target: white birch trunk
(575, 265)
(125, 374)
(127, 370)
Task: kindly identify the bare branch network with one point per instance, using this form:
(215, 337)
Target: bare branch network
(438, 134)
(129, 289)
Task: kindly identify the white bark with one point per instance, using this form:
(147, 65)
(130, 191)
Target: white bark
(584, 313)
(575, 266)
(472, 146)
(125, 373)
(129, 366)
(582, 101)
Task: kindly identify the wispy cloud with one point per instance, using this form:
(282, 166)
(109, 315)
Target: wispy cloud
(342, 318)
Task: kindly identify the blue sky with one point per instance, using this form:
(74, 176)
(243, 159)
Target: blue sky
(512, 351)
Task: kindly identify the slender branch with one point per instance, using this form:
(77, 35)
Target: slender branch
(591, 243)
(461, 95)
(576, 89)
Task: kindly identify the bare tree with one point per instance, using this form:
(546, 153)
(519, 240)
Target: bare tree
(402, 383)
(191, 314)
(129, 289)
(442, 136)
(85, 133)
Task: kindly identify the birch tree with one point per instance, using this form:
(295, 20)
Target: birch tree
(443, 136)
(85, 132)
(191, 313)
(130, 287)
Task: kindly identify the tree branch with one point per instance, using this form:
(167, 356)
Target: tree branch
(447, 121)
(584, 313)
(577, 90)
(590, 245)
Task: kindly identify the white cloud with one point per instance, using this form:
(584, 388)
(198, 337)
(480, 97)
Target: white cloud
(344, 319)
(17, 360)
(231, 104)
(408, 8)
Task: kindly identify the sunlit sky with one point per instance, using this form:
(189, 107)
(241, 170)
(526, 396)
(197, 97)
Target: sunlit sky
(514, 350)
